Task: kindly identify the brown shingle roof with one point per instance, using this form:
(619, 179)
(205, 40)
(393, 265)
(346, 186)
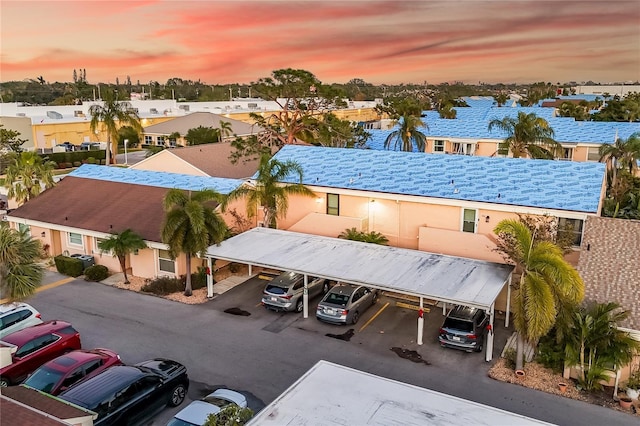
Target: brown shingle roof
(43, 402)
(13, 413)
(204, 119)
(99, 205)
(213, 159)
(609, 264)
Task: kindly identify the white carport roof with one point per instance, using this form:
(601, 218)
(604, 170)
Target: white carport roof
(365, 399)
(433, 276)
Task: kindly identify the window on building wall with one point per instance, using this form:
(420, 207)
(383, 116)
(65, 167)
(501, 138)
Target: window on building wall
(148, 140)
(165, 262)
(96, 242)
(464, 148)
(24, 228)
(566, 154)
(333, 204)
(468, 220)
(572, 229)
(438, 145)
(160, 141)
(75, 239)
(593, 154)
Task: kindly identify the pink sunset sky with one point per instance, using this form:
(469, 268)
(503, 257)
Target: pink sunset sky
(222, 42)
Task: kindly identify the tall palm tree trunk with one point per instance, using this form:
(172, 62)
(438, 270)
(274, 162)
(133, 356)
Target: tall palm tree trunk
(519, 352)
(123, 266)
(187, 289)
(108, 156)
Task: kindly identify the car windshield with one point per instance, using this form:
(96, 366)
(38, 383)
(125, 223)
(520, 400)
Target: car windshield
(44, 379)
(179, 422)
(218, 402)
(458, 324)
(337, 299)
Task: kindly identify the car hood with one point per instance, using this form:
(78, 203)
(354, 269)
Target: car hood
(164, 367)
(197, 412)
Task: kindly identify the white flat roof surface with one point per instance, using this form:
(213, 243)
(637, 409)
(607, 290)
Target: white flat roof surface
(433, 276)
(331, 394)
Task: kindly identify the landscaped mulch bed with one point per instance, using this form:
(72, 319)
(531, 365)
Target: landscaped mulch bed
(544, 379)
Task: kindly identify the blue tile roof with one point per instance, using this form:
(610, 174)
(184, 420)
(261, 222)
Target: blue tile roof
(471, 124)
(159, 179)
(544, 184)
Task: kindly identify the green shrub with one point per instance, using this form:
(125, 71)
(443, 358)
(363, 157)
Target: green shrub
(68, 265)
(77, 163)
(103, 162)
(198, 279)
(96, 273)
(163, 286)
(91, 160)
(510, 358)
(550, 354)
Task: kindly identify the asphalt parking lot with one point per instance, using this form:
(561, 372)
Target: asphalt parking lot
(390, 323)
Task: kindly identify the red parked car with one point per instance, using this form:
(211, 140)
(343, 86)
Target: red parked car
(35, 346)
(63, 372)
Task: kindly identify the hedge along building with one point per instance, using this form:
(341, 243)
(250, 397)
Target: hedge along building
(93, 202)
(436, 203)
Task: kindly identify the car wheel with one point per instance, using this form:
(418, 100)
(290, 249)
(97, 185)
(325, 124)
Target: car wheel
(300, 305)
(177, 395)
(479, 347)
(4, 383)
(355, 318)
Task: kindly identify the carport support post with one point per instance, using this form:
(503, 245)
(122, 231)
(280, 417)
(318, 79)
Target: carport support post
(489, 348)
(209, 278)
(506, 318)
(305, 298)
(420, 323)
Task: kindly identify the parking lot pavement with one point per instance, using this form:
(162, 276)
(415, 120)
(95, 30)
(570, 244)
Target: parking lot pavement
(388, 324)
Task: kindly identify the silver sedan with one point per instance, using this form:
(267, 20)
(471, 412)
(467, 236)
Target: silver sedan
(344, 304)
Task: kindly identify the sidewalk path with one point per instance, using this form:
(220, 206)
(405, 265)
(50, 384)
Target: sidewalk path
(51, 279)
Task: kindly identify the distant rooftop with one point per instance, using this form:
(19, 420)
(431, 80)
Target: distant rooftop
(546, 184)
(157, 179)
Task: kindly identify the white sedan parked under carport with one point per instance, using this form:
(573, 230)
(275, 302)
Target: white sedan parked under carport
(196, 413)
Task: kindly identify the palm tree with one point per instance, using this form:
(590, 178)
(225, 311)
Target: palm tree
(27, 174)
(20, 275)
(367, 237)
(408, 134)
(594, 340)
(268, 192)
(121, 245)
(622, 153)
(526, 135)
(547, 282)
(224, 130)
(501, 99)
(110, 116)
(447, 112)
(191, 225)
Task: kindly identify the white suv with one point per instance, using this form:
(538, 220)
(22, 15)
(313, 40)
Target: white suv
(16, 316)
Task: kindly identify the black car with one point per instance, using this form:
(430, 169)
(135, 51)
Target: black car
(464, 328)
(130, 395)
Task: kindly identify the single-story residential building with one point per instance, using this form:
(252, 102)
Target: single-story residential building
(93, 202)
(210, 159)
(161, 134)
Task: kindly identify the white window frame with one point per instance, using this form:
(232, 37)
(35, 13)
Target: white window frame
(437, 147)
(590, 150)
(148, 140)
(160, 140)
(73, 244)
(565, 151)
(475, 220)
(96, 249)
(166, 259)
(576, 233)
(464, 148)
